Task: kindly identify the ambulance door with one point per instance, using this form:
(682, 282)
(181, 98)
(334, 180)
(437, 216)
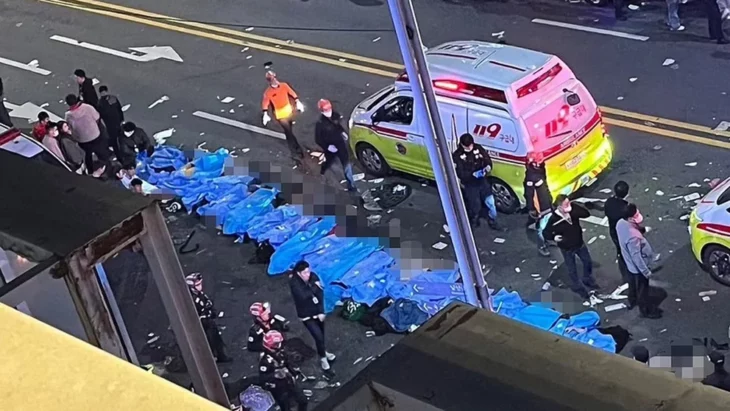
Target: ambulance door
(453, 115)
(400, 140)
(495, 130)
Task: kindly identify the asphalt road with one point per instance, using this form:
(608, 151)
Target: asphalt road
(221, 58)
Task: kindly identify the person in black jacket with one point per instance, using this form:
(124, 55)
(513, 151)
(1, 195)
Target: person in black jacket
(87, 92)
(308, 295)
(4, 115)
(719, 378)
(208, 315)
(133, 139)
(564, 227)
(263, 322)
(110, 110)
(331, 136)
(276, 375)
(538, 198)
(472, 167)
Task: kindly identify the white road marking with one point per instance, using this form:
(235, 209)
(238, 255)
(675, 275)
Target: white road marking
(596, 220)
(147, 53)
(238, 124)
(29, 111)
(591, 29)
(26, 67)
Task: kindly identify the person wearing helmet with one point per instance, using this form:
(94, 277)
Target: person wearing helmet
(538, 197)
(308, 295)
(263, 322)
(275, 375)
(277, 97)
(330, 134)
(207, 314)
(472, 167)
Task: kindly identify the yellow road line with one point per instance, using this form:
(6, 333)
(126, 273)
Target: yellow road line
(664, 121)
(667, 133)
(246, 35)
(224, 39)
(128, 13)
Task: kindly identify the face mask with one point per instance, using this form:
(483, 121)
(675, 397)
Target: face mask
(638, 218)
(468, 148)
(567, 209)
(327, 114)
(128, 133)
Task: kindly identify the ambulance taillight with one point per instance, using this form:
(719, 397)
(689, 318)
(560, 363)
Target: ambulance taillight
(535, 84)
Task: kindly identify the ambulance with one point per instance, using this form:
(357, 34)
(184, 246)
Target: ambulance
(512, 100)
(709, 229)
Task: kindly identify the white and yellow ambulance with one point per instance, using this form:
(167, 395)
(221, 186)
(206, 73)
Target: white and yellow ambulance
(709, 229)
(512, 100)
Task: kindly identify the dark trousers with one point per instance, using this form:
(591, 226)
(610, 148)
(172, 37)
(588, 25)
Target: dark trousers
(114, 133)
(215, 340)
(291, 139)
(98, 146)
(627, 278)
(618, 6)
(585, 257)
(474, 197)
(648, 298)
(714, 20)
(284, 395)
(330, 159)
(316, 328)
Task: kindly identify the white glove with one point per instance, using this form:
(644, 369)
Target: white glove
(487, 169)
(266, 118)
(558, 238)
(345, 136)
(332, 149)
(300, 106)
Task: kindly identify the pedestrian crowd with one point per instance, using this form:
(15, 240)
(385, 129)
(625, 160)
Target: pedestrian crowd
(717, 11)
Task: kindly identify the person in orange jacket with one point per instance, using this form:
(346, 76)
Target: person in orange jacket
(278, 97)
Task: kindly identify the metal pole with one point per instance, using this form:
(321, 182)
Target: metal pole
(168, 274)
(426, 111)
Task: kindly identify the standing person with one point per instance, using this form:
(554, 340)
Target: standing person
(714, 21)
(278, 96)
(73, 154)
(83, 120)
(4, 115)
(564, 227)
(538, 197)
(39, 129)
(719, 378)
(263, 322)
(331, 136)
(673, 16)
(110, 110)
(87, 92)
(207, 314)
(619, 10)
(472, 166)
(308, 295)
(134, 139)
(50, 140)
(276, 376)
(638, 255)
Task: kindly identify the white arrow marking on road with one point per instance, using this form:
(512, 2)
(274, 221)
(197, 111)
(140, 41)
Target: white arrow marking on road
(238, 124)
(26, 67)
(148, 53)
(590, 29)
(29, 111)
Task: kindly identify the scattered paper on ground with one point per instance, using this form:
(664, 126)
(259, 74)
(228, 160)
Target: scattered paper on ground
(358, 177)
(159, 101)
(126, 107)
(163, 135)
(227, 100)
(633, 79)
(499, 240)
(446, 229)
(606, 191)
(614, 307)
(692, 164)
(659, 193)
(668, 62)
(597, 221)
(517, 270)
(376, 180)
(692, 197)
(439, 245)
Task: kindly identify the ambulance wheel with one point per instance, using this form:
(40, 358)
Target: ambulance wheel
(505, 198)
(372, 160)
(716, 260)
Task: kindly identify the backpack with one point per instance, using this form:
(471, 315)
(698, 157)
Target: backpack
(353, 311)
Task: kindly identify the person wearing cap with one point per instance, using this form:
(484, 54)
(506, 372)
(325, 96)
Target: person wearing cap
(473, 165)
(208, 315)
(277, 97)
(263, 322)
(308, 295)
(87, 92)
(538, 197)
(720, 377)
(276, 376)
(330, 134)
(640, 354)
(133, 140)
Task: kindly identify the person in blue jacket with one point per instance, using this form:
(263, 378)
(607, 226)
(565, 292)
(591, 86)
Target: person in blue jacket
(308, 294)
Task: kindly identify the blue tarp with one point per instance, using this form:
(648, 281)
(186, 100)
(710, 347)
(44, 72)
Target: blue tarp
(292, 249)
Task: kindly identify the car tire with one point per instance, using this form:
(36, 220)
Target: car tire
(371, 160)
(716, 261)
(598, 3)
(504, 196)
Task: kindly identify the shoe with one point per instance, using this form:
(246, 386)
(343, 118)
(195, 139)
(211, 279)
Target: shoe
(723, 41)
(544, 251)
(328, 375)
(331, 357)
(680, 28)
(324, 363)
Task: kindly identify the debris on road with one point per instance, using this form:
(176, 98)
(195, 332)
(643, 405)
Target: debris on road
(374, 219)
(633, 79)
(358, 177)
(249, 29)
(227, 100)
(225, 375)
(535, 275)
(161, 136)
(592, 240)
(153, 340)
(370, 333)
(619, 98)
(377, 39)
(605, 191)
(440, 245)
(656, 147)
(663, 331)
(517, 270)
(676, 198)
(692, 197)
(159, 101)
(357, 361)
(659, 193)
(692, 164)
(614, 307)
(707, 293)
(220, 314)
(668, 62)
(376, 180)
(705, 298)
(499, 240)
(694, 185)
(320, 385)
(446, 229)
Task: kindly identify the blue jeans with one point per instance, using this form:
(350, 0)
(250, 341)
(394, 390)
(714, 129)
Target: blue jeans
(673, 14)
(585, 257)
(348, 175)
(491, 207)
(540, 226)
